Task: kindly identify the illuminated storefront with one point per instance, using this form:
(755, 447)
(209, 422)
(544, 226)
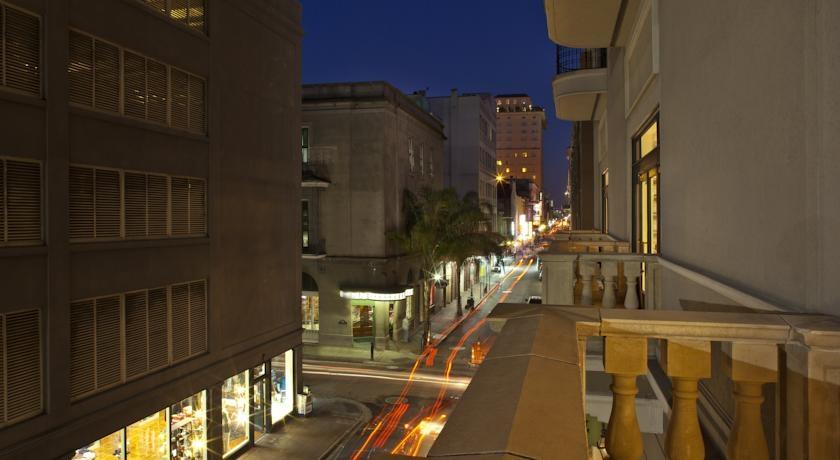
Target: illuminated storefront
(249, 404)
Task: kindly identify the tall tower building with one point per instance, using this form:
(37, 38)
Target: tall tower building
(519, 144)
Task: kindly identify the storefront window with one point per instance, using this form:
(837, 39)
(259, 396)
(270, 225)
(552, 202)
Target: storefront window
(259, 408)
(148, 438)
(258, 371)
(235, 414)
(309, 310)
(282, 386)
(110, 447)
(188, 420)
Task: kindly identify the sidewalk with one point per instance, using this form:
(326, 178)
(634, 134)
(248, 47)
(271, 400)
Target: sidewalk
(313, 437)
(405, 353)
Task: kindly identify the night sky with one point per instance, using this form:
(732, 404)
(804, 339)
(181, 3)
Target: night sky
(494, 46)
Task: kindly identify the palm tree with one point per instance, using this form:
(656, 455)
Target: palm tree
(467, 236)
(441, 227)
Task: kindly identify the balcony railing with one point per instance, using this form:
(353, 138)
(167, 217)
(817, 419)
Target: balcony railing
(572, 59)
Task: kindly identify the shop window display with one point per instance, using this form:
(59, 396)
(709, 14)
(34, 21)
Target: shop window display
(282, 386)
(309, 312)
(108, 448)
(147, 439)
(235, 412)
(188, 422)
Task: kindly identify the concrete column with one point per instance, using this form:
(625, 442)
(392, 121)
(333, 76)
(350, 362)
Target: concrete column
(558, 283)
(686, 361)
(749, 366)
(380, 328)
(625, 358)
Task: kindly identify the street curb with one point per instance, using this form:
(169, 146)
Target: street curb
(365, 418)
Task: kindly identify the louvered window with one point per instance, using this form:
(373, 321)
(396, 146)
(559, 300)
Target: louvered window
(125, 336)
(21, 393)
(20, 201)
(187, 12)
(20, 54)
(189, 206)
(108, 78)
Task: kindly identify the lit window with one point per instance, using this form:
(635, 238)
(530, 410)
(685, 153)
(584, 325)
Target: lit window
(304, 144)
(507, 170)
(524, 154)
(524, 170)
(235, 412)
(498, 162)
(649, 139)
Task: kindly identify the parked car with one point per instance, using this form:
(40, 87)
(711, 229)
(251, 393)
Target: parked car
(535, 299)
(497, 268)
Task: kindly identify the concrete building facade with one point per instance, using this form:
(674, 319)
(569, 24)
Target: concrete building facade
(519, 144)
(698, 150)
(148, 270)
(368, 146)
(469, 122)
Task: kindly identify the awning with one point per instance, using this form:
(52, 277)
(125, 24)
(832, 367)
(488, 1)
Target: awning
(356, 293)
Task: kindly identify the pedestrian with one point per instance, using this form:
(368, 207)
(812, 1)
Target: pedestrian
(371, 350)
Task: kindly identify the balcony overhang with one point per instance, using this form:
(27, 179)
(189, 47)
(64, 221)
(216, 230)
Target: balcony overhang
(575, 93)
(582, 24)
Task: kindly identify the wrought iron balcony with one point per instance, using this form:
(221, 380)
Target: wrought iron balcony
(573, 59)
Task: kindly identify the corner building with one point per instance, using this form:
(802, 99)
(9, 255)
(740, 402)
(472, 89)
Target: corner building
(150, 273)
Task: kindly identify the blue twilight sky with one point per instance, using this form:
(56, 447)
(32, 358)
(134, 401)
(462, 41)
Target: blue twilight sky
(494, 46)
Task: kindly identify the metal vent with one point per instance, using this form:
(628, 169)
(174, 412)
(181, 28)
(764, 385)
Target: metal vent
(108, 343)
(180, 205)
(23, 365)
(22, 51)
(179, 102)
(157, 84)
(135, 205)
(158, 203)
(197, 98)
(158, 329)
(198, 207)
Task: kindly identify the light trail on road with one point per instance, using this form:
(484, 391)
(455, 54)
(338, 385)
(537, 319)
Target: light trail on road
(390, 420)
(380, 374)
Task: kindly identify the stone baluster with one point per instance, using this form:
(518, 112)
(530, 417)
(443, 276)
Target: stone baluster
(587, 273)
(625, 358)
(632, 270)
(686, 361)
(749, 366)
(609, 270)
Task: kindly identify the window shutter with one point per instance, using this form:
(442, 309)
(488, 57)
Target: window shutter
(180, 205)
(158, 204)
(158, 329)
(2, 75)
(80, 69)
(23, 200)
(180, 322)
(136, 334)
(159, 5)
(2, 199)
(108, 343)
(157, 87)
(23, 364)
(196, 104)
(81, 203)
(135, 204)
(178, 10)
(82, 349)
(22, 38)
(196, 15)
(179, 117)
(134, 85)
(106, 74)
(198, 207)
(198, 317)
(107, 203)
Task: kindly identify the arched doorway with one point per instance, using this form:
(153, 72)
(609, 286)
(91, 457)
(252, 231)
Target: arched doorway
(310, 313)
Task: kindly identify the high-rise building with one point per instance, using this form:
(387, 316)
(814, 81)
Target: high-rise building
(519, 140)
(149, 245)
(469, 122)
(366, 145)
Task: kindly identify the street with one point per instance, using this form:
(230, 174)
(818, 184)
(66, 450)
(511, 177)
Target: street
(410, 404)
